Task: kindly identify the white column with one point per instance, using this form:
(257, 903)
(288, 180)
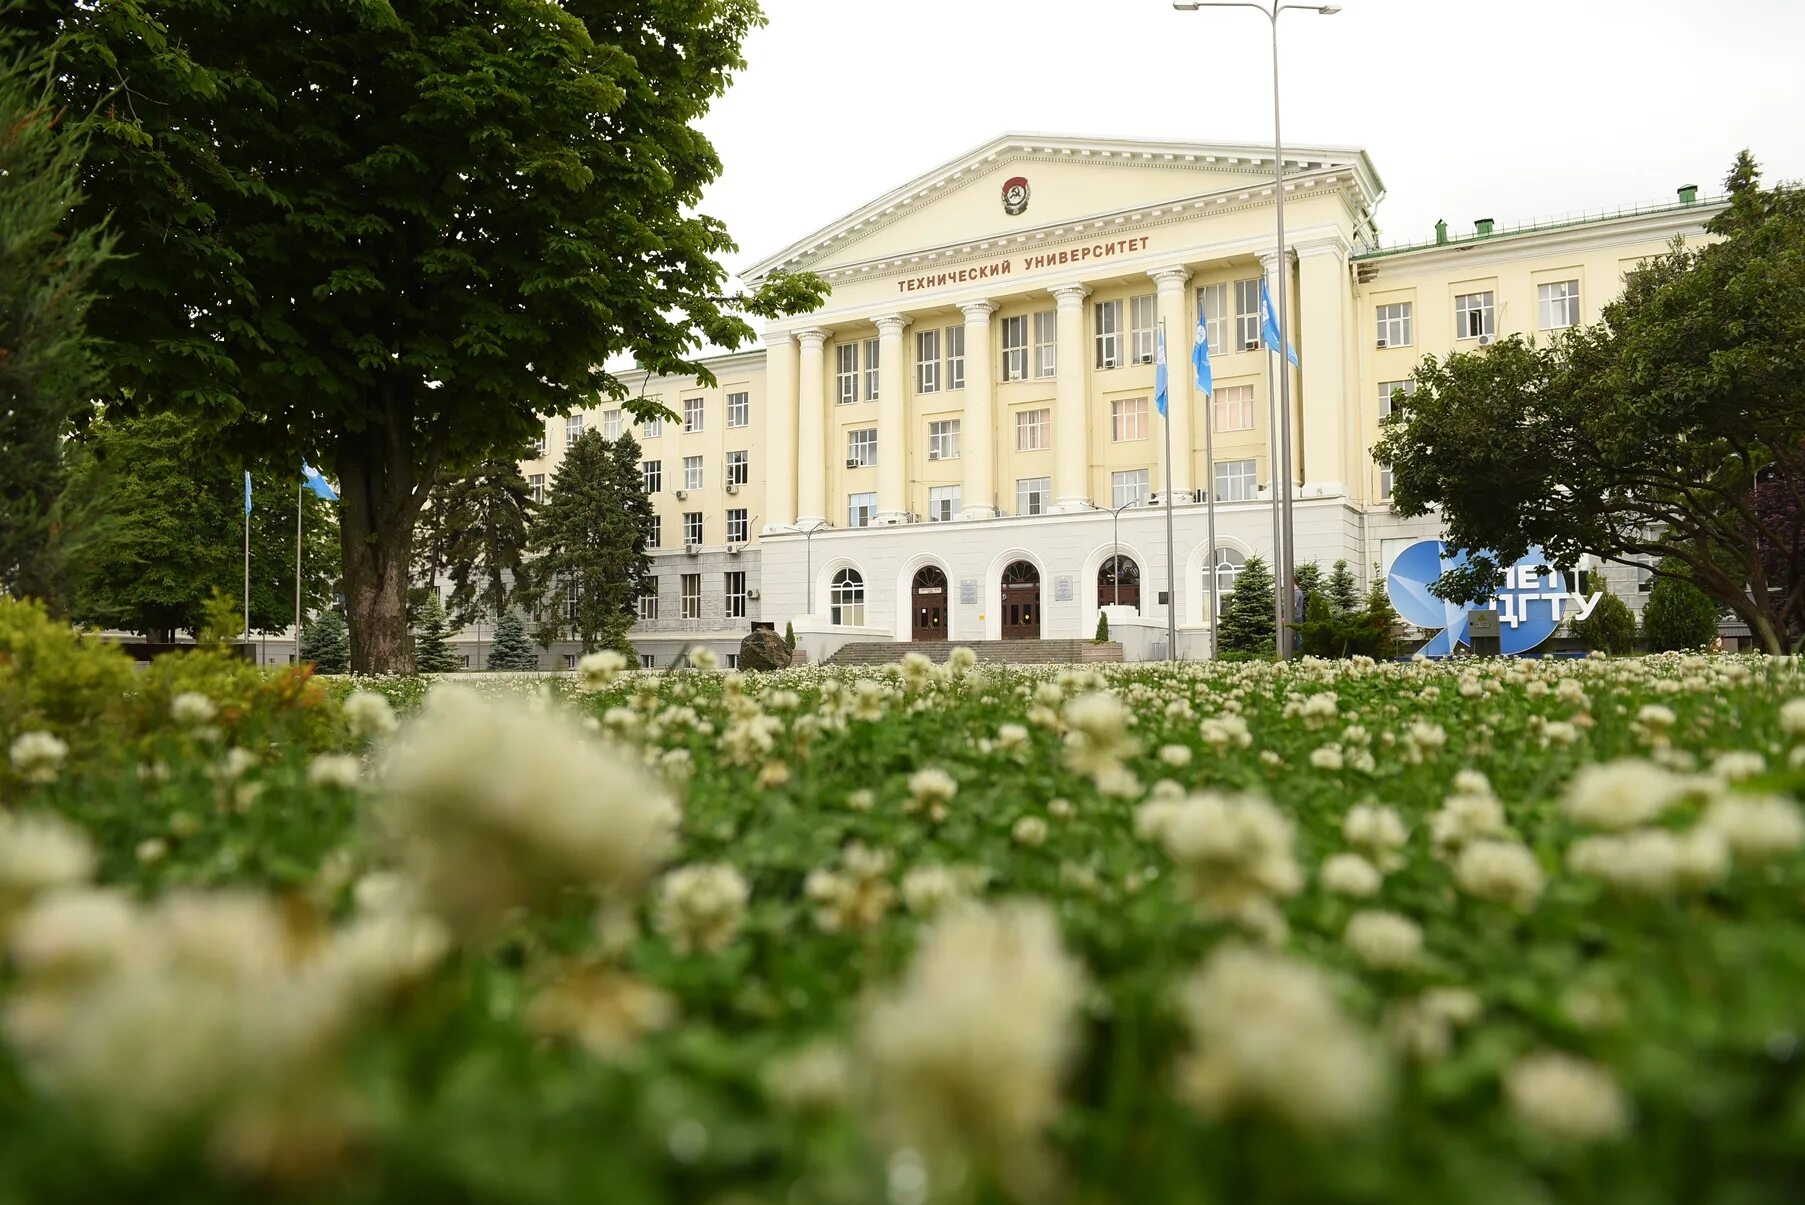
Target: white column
(892, 421)
(978, 429)
(811, 429)
(1180, 380)
(1071, 403)
(1324, 297)
(780, 430)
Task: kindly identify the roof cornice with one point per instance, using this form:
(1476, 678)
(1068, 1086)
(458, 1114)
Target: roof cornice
(1660, 224)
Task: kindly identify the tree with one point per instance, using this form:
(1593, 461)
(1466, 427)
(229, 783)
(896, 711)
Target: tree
(1649, 435)
(485, 516)
(1343, 590)
(385, 238)
(1610, 628)
(1383, 615)
(326, 642)
(511, 651)
(1308, 576)
(432, 649)
(1247, 617)
(589, 543)
(1678, 614)
(47, 369)
(1102, 635)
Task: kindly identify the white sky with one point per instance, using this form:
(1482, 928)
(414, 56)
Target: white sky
(1512, 109)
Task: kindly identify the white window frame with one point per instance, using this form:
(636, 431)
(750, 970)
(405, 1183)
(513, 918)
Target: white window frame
(1395, 324)
(846, 373)
(861, 447)
(1128, 420)
(1233, 406)
(871, 365)
(1143, 320)
(1046, 344)
(1229, 564)
(1247, 314)
(692, 472)
(694, 413)
(646, 605)
(1032, 428)
(943, 439)
(1558, 304)
(739, 525)
(692, 527)
(861, 508)
(846, 599)
(648, 661)
(1212, 307)
(1237, 480)
(739, 410)
(739, 467)
(955, 357)
(1015, 348)
(573, 427)
(655, 532)
(927, 361)
(1108, 319)
(573, 598)
(1384, 482)
(652, 428)
(689, 594)
(536, 484)
(1475, 315)
(539, 446)
(1128, 487)
(1033, 495)
(943, 503)
(651, 476)
(1387, 388)
(733, 594)
(611, 424)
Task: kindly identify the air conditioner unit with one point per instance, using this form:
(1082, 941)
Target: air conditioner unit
(851, 463)
(734, 549)
(733, 487)
(692, 549)
(752, 593)
(1382, 343)
(1485, 340)
(682, 494)
(1109, 361)
(1254, 346)
(933, 453)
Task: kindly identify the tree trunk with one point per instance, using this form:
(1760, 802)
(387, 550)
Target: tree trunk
(376, 532)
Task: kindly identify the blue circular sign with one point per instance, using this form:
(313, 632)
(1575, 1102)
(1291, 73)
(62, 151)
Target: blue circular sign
(1530, 605)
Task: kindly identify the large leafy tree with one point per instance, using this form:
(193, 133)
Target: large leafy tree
(391, 237)
(590, 536)
(47, 369)
(482, 519)
(1674, 429)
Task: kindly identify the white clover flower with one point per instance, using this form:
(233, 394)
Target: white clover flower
(1423, 1027)
(1652, 861)
(960, 660)
(855, 897)
(340, 770)
(599, 670)
(369, 715)
(1376, 831)
(73, 932)
(1030, 831)
(704, 659)
(1566, 1098)
(700, 907)
(1757, 828)
(37, 757)
(1384, 940)
(1232, 850)
(1097, 739)
(931, 787)
(1734, 765)
(1465, 818)
(1792, 717)
(192, 709)
(1351, 875)
(1326, 757)
(1013, 740)
(1176, 756)
(928, 889)
(814, 1079)
(1621, 794)
(1268, 1035)
(1222, 731)
(491, 806)
(1504, 872)
(1653, 715)
(39, 853)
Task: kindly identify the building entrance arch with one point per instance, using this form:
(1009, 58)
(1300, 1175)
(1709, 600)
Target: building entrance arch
(1021, 601)
(927, 604)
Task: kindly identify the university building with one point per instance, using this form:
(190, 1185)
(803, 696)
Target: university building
(962, 442)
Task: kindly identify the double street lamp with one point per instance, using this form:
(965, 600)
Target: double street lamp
(1282, 531)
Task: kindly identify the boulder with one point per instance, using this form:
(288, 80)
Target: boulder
(764, 650)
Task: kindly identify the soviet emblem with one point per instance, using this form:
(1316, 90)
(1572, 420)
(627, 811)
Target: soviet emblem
(1015, 195)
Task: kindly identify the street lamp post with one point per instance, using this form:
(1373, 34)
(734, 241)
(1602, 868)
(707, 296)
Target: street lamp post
(1115, 552)
(808, 571)
(1283, 551)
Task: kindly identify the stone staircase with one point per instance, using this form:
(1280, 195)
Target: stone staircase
(1012, 652)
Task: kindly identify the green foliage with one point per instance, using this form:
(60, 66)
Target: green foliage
(1610, 628)
(1678, 615)
(511, 650)
(1384, 616)
(55, 679)
(47, 365)
(1645, 435)
(591, 534)
(326, 643)
(1343, 590)
(432, 645)
(1308, 576)
(479, 524)
(1247, 617)
(1102, 636)
(789, 635)
(222, 620)
(1326, 632)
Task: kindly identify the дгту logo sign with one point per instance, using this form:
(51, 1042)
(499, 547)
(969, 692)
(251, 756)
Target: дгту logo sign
(1531, 604)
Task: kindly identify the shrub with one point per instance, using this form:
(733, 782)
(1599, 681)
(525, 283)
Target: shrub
(327, 643)
(1102, 636)
(56, 679)
(1324, 633)
(511, 650)
(1344, 592)
(1247, 619)
(1610, 628)
(1678, 614)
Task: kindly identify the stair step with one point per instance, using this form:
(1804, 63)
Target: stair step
(1015, 652)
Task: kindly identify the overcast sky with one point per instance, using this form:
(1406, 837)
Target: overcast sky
(1514, 109)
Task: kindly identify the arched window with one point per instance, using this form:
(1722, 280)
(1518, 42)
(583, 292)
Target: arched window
(1229, 564)
(1119, 583)
(848, 599)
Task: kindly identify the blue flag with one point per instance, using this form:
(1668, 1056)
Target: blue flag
(316, 483)
(247, 491)
(1200, 358)
(1159, 372)
(1269, 326)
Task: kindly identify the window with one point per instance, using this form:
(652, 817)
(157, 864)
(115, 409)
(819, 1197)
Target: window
(1235, 481)
(943, 503)
(692, 472)
(573, 427)
(648, 661)
(739, 410)
(651, 473)
(1229, 564)
(927, 362)
(1128, 419)
(571, 601)
(648, 600)
(1015, 348)
(846, 373)
(739, 468)
(955, 357)
(1033, 495)
(1234, 408)
(611, 424)
(1142, 319)
(655, 532)
(1109, 333)
(1387, 388)
(570, 660)
(1472, 315)
(739, 529)
(537, 484)
(1031, 428)
(652, 428)
(692, 527)
(1394, 325)
(847, 599)
(1212, 307)
(692, 596)
(1046, 343)
(733, 660)
(943, 440)
(692, 414)
(1560, 305)
(1128, 487)
(733, 593)
(861, 448)
(1247, 314)
(860, 509)
(871, 346)
(539, 446)
(1385, 483)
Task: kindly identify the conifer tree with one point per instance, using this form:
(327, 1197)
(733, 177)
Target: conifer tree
(1247, 617)
(1343, 591)
(482, 519)
(432, 649)
(327, 643)
(1382, 613)
(511, 650)
(589, 539)
(1678, 615)
(1308, 576)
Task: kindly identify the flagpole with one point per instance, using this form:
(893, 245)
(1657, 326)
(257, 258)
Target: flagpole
(1273, 480)
(247, 557)
(1209, 510)
(1165, 378)
(300, 509)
